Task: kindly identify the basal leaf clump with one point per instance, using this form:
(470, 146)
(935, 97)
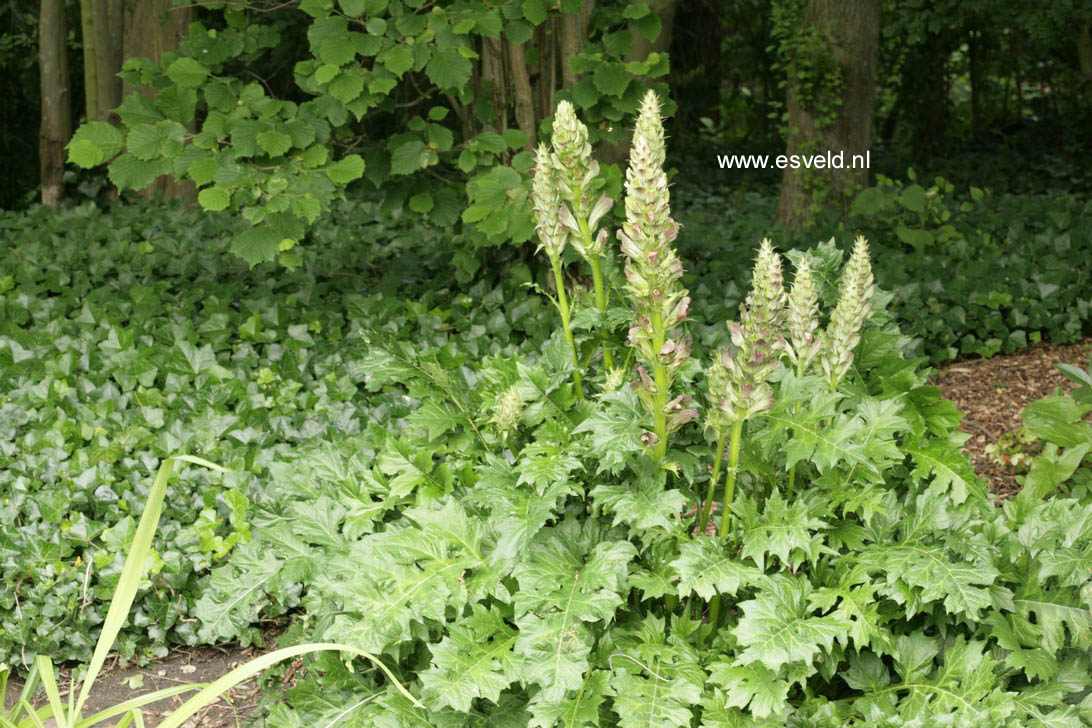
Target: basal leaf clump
(519, 555)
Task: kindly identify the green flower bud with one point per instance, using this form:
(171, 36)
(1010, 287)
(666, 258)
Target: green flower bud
(572, 157)
(547, 205)
(508, 410)
(855, 303)
(803, 317)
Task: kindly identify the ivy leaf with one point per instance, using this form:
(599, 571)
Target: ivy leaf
(474, 660)
(706, 568)
(776, 628)
(753, 685)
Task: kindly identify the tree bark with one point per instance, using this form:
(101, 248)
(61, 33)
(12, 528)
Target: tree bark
(153, 27)
(56, 126)
(849, 32)
(521, 87)
(574, 31)
(109, 36)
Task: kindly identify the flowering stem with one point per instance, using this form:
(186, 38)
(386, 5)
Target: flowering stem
(563, 307)
(730, 486)
(600, 297)
(796, 408)
(659, 371)
(707, 505)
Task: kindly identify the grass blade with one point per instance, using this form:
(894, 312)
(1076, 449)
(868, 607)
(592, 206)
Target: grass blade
(252, 668)
(49, 682)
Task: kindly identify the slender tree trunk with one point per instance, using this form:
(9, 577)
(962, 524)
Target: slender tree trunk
(521, 87)
(56, 127)
(109, 33)
(839, 120)
(153, 27)
(90, 61)
(574, 31)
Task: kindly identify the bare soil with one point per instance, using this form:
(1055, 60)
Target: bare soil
(991, 393)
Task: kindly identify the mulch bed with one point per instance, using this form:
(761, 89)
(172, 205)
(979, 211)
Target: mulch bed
(992, 393)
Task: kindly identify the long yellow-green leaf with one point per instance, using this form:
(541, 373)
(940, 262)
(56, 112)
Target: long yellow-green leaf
(252, 668)
(49, 682)
(33, 719)
(139, 702)
(133, 571)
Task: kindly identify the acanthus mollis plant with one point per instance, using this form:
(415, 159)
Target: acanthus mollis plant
(552, 234)
(508, 553)
(739, 385)
(576, 173)
(653, 275)
(843, 333)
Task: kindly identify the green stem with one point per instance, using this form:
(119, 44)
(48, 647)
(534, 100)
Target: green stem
(563, 307)
(707, 504)
(659, 372)
(597, 282)
(730, 486)
(796, 408)
(714, 612)
(601, 303)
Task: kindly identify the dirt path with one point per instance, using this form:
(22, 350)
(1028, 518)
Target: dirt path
(992, 393)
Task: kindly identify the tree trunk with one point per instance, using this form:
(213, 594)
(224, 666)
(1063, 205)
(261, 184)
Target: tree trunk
(153, 27)
(109, 35)
(838, 120)
(521, 87)
(56, 128)
(574, 31)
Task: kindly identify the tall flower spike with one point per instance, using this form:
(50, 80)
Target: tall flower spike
(572, 156)
(803, 318)
(653, 271)
(738, 382)
(844, 331)
(766, 301)
(546, 201)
